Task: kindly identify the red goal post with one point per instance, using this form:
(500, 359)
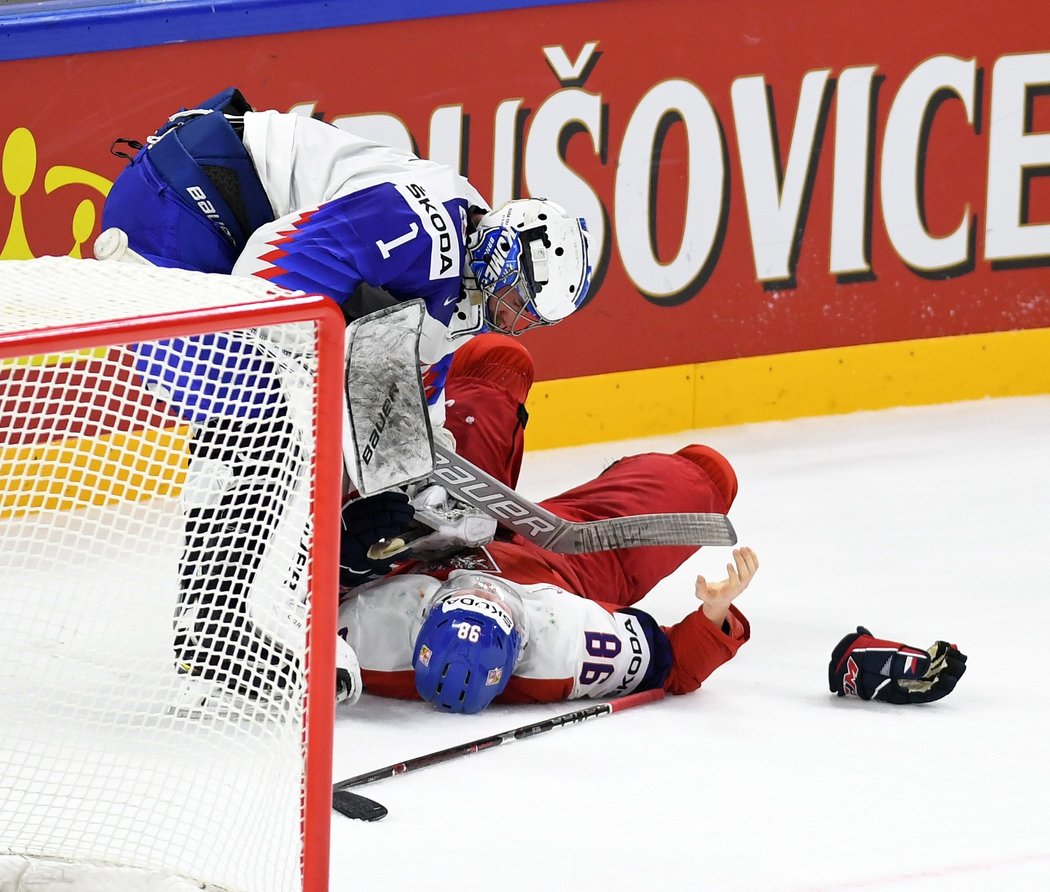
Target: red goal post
(102, 764)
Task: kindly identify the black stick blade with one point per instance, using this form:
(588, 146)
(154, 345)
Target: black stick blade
(360, 808)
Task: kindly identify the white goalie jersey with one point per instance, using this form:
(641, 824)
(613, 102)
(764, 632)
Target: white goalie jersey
(362, 216)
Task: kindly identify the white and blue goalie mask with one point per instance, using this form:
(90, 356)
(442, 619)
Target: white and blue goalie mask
(532, 256)
(473, 632)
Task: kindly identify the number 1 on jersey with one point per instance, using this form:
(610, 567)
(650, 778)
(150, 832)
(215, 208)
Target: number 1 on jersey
(386, 247)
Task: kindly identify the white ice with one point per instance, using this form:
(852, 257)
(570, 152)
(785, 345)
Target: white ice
(922, 524)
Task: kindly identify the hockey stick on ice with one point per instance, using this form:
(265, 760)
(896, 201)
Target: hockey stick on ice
(355, 806)
(471, 485)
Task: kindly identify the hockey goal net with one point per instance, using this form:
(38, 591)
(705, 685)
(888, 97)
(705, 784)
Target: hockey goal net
(169, 485)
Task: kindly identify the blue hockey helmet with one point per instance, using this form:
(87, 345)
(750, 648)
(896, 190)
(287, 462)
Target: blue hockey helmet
(532, 264)
(472, 635)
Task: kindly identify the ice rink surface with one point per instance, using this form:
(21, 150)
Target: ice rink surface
(920, 523)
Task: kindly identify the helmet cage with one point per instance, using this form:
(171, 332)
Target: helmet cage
(503, 271)
(511, 255)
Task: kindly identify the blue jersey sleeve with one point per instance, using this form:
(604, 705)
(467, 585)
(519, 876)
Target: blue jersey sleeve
(393, 236)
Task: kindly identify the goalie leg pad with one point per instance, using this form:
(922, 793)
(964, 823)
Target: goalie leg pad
(225, 541)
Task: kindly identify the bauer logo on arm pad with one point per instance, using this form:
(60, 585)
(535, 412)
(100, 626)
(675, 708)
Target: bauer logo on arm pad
(876, 669)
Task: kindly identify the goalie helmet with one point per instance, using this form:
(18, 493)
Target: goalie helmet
(473, 632)
(533, 250)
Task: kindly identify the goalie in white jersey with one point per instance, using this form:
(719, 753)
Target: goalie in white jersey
(310, 207)
(513, 622)
(223, 189)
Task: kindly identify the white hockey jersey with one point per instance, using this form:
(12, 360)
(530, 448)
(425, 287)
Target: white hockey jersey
(353, 213)
(303, 162)
(576, 647)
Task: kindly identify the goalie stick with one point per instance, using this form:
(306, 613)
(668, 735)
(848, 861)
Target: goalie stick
(471, 485)
(353, 805)
(388, 442)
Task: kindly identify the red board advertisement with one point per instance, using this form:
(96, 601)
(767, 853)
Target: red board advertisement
(759, 177)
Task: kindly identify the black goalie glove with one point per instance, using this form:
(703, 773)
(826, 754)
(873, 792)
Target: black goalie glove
(874, 669)
(365, 522)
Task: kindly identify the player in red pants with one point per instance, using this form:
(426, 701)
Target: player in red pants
(489, 381)
(511, 621)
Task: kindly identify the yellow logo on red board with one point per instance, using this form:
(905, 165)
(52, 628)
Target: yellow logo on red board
(19, 172)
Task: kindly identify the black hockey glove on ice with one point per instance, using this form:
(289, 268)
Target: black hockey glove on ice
(874, 669)
(365, 522)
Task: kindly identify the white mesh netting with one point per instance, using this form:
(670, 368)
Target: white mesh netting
(155, 523)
